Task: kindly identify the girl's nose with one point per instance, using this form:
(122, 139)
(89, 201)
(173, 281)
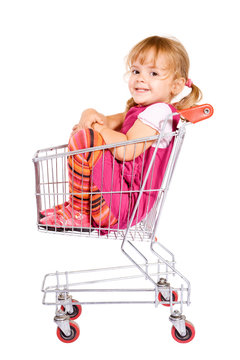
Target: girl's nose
(141, 77)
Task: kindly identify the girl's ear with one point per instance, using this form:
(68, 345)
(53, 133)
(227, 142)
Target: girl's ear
(178, 86)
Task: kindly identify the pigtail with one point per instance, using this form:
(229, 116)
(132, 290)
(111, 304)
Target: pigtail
(130, 103)
(190, 100)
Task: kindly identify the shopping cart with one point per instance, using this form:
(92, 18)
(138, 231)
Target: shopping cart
(149, 265)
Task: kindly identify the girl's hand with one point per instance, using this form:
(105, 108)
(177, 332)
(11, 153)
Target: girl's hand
(88, 118)
(75, 129)
(98, 127)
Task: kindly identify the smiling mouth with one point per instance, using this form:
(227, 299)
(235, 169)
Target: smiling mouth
(141, 90)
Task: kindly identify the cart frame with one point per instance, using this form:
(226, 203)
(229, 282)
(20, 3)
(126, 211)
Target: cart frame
(155, 264)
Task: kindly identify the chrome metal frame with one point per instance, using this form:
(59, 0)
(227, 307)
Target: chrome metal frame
(155, 263)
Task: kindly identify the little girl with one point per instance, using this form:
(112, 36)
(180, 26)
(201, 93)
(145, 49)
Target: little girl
(158, 72)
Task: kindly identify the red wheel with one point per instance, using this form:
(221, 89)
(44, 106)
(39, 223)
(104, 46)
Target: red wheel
(174, 298)
(77, 310)
(75, 332)
(190, 333)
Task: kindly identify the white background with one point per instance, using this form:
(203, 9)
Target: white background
(60, 57)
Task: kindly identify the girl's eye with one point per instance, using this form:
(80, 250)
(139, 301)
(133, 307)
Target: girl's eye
(135, 72)
(154, 73)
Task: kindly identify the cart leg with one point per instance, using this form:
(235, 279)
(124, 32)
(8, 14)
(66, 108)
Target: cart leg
(165, 293)
(70, 306)
(164, 288)
(182, 331)
(67, 331)
(66, 302)
(62, 322)
(178, 321)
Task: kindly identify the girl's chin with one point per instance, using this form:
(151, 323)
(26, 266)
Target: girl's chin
(143, 103)
(140, 101)
(149, 102)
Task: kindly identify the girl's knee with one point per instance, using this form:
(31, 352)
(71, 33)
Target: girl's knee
(85, 138)
(79, 133)
(77, 140)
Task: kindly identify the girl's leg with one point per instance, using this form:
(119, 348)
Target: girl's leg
(80, 186)
(80, 167)
(79, 173)
(100, 211)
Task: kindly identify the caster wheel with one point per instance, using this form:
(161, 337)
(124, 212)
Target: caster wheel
(75, 332)
(77, 310)
(190, 333)
(174, 298)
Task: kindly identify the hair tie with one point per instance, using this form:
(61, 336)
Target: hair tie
(189, 83)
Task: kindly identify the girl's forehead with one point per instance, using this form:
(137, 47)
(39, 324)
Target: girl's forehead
(152, 59)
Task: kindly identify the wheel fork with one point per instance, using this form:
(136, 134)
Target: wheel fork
(62, 321)
(178, 321)
(66, 300)
(164, 288)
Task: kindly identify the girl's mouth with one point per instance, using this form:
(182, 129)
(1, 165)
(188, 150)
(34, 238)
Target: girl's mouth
(142, 90)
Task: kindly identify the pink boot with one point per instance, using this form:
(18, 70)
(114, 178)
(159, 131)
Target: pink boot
(79, 220)
(53, 210)
(58, 221)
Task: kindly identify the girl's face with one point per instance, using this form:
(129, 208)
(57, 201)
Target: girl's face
(151, 82)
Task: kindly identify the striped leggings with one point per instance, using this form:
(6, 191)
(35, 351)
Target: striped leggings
(80, 183)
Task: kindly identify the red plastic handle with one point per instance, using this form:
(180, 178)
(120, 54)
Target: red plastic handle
(197, 113)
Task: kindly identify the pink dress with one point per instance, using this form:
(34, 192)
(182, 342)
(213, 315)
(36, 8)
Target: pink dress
(113, 175)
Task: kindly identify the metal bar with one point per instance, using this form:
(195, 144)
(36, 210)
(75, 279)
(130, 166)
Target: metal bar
(49, 291)
(120, 267)
(110, 302)
(37, 189)
(106, 280)
(103, 147)
(168, 264)
(102, 290)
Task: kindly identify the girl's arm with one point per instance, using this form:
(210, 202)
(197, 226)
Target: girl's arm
(127, 153)
(91, 116)
(115, 122)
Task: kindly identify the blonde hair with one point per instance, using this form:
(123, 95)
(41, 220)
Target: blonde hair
(178, 64)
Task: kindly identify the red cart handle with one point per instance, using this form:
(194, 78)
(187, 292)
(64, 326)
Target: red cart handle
(197, 113)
